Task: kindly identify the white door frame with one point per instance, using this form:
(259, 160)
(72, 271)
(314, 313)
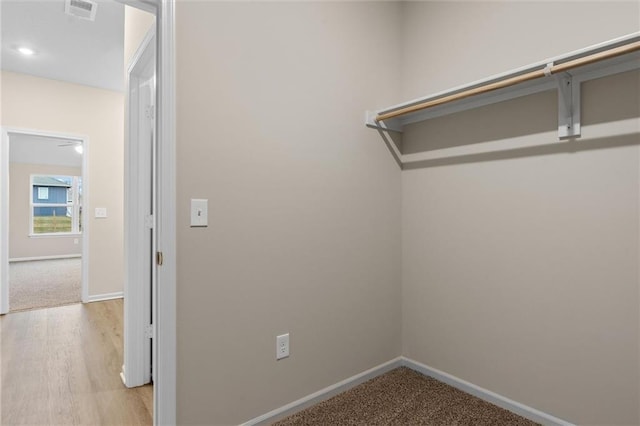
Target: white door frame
(4, 208)
(164, 350)
(139, 220)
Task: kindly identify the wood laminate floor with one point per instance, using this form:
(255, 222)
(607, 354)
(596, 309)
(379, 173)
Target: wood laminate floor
(61, 366)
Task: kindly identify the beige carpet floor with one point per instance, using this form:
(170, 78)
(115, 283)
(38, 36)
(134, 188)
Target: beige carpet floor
(44, 283)
(404, 397)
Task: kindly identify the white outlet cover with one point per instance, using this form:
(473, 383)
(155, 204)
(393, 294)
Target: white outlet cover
(282, 346)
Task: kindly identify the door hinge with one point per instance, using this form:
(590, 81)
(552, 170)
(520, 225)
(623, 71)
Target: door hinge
(159, 258)
(150, 331)
(149, 221)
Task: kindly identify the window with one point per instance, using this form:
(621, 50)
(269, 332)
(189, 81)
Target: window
(56, 204)
(43, 193)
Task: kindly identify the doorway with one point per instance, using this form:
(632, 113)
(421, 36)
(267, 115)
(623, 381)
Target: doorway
(164, 394)
(45, 251)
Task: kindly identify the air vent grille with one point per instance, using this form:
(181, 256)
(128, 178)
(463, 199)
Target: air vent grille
(84, 9)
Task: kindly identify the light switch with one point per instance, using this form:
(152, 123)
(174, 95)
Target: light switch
(101, 212)
(199, 212)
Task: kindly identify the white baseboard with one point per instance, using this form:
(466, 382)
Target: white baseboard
(492, 397)
(484, 394)
(105, 296)
(323, 394)
(29, 259)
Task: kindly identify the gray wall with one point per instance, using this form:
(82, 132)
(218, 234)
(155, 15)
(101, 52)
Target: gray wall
(304, 202)
(520, 252)
(511, 261)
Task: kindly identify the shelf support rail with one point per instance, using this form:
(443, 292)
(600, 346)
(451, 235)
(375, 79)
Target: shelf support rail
(568, 106)
(568, 92)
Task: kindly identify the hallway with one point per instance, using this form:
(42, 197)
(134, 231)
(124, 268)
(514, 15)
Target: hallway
(61, 366)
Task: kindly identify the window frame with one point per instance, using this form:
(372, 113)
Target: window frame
(75, 205)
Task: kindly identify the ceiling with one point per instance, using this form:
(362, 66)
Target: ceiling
(43, 150)
(67, 48)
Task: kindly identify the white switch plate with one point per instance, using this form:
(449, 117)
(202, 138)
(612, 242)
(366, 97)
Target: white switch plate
(101, 212)
(282, 346)
(199, 212)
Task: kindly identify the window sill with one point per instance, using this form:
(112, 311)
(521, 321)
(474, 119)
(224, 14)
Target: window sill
(56, 234)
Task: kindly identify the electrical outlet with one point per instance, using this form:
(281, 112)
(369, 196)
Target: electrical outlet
(282, 346)
(101, 212)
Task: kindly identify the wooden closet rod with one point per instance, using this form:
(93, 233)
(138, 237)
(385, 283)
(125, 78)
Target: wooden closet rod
(511, 81)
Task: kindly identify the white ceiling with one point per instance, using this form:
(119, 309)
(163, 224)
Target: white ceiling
(67, 48)
(43, 150)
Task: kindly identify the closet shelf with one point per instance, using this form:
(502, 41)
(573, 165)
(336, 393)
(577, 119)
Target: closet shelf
(563, 73)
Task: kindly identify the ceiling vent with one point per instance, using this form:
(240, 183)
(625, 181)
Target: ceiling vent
(85, 9)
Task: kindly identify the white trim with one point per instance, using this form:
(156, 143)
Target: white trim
(324, 394)
(86, 224)
(138, 207)
(105, 296)
(30, 259)
(4, 208)
(164, 353)
(485, 394)
(344, 385)
(56, 234)
(146, 5)
(136, 62)
(4, 222)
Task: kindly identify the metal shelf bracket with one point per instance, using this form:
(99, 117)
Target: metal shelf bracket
(568, 106)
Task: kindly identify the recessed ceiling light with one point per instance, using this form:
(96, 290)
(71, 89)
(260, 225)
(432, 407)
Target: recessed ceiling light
(26, 51)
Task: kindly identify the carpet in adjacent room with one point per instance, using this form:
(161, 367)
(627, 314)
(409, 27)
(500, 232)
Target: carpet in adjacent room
(404, 397)
(44, 283)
